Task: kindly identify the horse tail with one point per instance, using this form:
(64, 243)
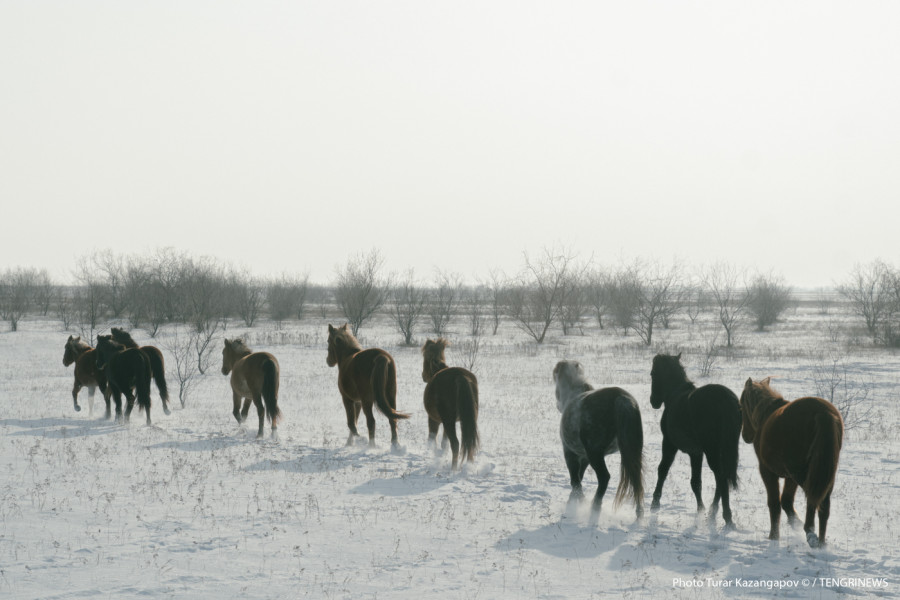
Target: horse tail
(383, 374)
(270, 390)
(158, 369)
(823, 457)
(467, 409)
(630, 436)
(728, 444)
(143, 375)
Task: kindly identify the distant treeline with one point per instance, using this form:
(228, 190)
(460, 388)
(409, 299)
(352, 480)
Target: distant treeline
(553, 288)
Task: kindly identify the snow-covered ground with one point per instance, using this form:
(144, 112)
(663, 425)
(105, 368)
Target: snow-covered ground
(195, 507)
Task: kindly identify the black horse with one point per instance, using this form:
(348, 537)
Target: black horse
(126, 369)
(698, 421)
(595, 423)
(157, 363)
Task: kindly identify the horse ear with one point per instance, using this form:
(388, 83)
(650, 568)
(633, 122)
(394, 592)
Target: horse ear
(766, 381)
(679, 356)
(749, 382)
(344, 326)
(330, 329)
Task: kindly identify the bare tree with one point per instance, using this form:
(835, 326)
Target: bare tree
(443, 299)
(625, 297)
(659, 293)
(112, 270)
(869, 289)
(87, 299)
(474, 300)
(726, 285)
(575, 303)
(536, 299)
(248, 295)
(286, 297)
(17, 291)
(407, 305)
(768, 298)
(360, 289)
(599, 290)
(182, 347)
(496, 288)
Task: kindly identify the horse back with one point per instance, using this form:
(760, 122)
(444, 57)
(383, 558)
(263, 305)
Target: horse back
(248, 374)
(695, 422)
(440, 393)
(86, 371)
(787, 437)
(355, 379)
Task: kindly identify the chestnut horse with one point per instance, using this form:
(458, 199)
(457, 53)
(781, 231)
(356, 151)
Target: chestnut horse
(365, 378)
(704, 421)
(799, 441)
(86, 373)
(254, 376)
(126, 369)
(157, 364)
(451, 395)
(595, 423)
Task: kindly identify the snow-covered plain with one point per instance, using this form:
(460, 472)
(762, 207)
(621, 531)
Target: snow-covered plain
(194, 506)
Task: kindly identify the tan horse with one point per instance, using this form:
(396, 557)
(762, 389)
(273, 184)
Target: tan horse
(450, 396)
(799, 441)
(254, 376)
(365, 378)
(86, 373)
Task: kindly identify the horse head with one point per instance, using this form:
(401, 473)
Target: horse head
(755, 395)
(71, 353)
(340, 343)
(233, 351)
(433, 355)
(568, 375)
(106, 347)
(665, 375)
(123, 337)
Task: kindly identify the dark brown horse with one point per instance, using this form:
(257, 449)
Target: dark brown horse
(154, 355)
(799, 441)
(596, 423)
(704, 421)
(365, 378)
(254, 377)
(450, 396)
(86, 373)
(126, 369)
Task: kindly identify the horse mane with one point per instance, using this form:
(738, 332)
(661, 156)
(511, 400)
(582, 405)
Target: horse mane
(239, 347)
(77, 344)
(433, 350)
(575, 383)
(123, 337)
(760, 399)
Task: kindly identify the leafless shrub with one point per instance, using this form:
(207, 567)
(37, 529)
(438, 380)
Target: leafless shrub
(599, 292)
(726, 285)
(709, 356)
(768, 298)
(442, 300)
(834, 382)
(181, 347)
(870, 290)
(407, 305)
(535, 300)
(286, 297)
(360, 289)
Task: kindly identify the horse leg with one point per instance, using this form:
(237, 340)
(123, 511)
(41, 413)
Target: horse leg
(721, 492)
(370, 423)
(236, 399)
(810, 523)
(770, 480)
(433, 427)
(352, 410)
(576, 466)
(91, 390)
(787, 499)
(824, 513)
(261, 411)
(697, 478)
(129, 396)
(598, 463)
(246, 410)
(668, 456)
(117, 396)
(107, 396)
(75, 390)
(450, 432)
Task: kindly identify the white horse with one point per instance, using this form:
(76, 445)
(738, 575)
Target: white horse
(596, 423)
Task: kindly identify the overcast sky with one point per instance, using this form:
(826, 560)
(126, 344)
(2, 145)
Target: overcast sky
(289, 136)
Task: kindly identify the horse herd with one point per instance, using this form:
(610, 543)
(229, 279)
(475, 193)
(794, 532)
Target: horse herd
(799, 441)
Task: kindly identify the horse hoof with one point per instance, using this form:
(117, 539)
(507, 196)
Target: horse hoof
(77, 408)
(655, 506)
(167, 411)
(812, 539)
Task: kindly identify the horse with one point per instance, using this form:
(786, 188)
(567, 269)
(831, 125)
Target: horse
(365, 377)
(799, 441)
(596, 423)
(704, 421)
(451, 395)
(157, 363)
(126, 369)
(254, 376)
(86, 373)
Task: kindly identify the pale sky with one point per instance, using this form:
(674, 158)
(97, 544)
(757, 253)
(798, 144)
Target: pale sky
(289, 136)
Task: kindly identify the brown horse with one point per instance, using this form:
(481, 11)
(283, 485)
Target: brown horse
(799, 441)
(450, 396)
(365, 377)
(154, 355)
(126, 369)
(86, 373)
(254, 376)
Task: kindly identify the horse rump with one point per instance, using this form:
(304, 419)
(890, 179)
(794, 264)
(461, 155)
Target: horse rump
(382, 375)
